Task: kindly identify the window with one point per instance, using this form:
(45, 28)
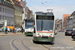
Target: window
(0, 17)
(44, 25)
(0, 1)
(0, 9)
(3, 9)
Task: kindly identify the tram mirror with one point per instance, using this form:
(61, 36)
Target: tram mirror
(34, 30)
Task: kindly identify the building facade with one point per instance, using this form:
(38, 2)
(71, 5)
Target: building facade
(65, 21)
(23, 4)
(72, 21)
(58, 24)
(28, 13)
(6, 12)
(18, 13)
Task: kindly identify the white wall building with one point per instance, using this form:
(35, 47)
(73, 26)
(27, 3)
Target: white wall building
(6, 13)
(71, 20)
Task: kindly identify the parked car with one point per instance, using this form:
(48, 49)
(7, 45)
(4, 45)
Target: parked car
(68, 32)
(61, 31)
(0, 30)
(73, 35)
(18, 29)
(9, 29)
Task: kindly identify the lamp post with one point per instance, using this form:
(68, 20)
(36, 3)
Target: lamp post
(25, 15)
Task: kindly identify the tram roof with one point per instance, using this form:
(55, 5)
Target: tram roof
(47, 13)
(29, 19)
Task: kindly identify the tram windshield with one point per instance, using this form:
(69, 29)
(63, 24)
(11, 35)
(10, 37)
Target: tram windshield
(29, 25)
(44, 25)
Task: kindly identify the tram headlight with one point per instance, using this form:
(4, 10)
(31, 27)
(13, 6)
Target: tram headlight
(25, 30)
(39, 35)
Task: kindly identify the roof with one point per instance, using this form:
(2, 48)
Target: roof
(65, 16)
(7, 6)
(17, 0)
(42, 13)
(22, 3)
(73, 13)
(18, 5)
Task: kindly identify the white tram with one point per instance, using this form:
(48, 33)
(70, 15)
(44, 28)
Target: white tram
(44, 27)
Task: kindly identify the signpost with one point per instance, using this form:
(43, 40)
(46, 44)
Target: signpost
(5, 24)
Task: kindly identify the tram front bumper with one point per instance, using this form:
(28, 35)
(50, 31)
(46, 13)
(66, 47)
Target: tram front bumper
(40, 39)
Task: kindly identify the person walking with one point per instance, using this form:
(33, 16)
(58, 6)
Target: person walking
(14, 30)
(6, 30)
(22, 29)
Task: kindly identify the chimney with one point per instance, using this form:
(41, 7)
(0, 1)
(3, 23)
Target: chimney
(20, 0)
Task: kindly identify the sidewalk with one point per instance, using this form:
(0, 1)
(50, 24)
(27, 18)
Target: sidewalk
(10, 33)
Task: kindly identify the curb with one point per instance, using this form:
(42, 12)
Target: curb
(9, 34)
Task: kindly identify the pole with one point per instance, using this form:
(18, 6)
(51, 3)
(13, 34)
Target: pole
(49, 10)
(25, 14)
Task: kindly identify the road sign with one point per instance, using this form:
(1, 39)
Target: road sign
(5, 22)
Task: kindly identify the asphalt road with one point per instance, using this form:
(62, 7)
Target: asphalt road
(22, 42)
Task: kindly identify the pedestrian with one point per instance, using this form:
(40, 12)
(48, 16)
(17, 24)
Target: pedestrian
(22, 29)
(6, 30)
(13, 30)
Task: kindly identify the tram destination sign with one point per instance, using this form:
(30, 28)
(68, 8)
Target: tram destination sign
(45, 17)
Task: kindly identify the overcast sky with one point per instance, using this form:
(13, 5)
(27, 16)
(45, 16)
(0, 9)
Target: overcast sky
(59, 7)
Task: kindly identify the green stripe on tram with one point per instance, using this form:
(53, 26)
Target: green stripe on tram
(26, 33)
(40, 39)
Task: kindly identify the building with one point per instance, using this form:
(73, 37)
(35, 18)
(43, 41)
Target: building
(58, 24)
(65, 21)
(6, 12)
(20, 0)
(71, 20)
(23, 4)
(18, 13)
(28, 13)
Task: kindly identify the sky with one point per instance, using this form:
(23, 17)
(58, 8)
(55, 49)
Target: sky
(59, 7)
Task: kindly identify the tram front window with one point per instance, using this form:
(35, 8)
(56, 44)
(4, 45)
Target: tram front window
(29, 25)
(45, 25)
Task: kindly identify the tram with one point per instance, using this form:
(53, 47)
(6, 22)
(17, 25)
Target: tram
(29, 26)
(44, 27)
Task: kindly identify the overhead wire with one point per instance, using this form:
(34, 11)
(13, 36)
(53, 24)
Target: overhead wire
(32, 7)
(43, 3)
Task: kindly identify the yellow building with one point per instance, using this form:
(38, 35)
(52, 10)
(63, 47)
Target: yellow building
(18, 13)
